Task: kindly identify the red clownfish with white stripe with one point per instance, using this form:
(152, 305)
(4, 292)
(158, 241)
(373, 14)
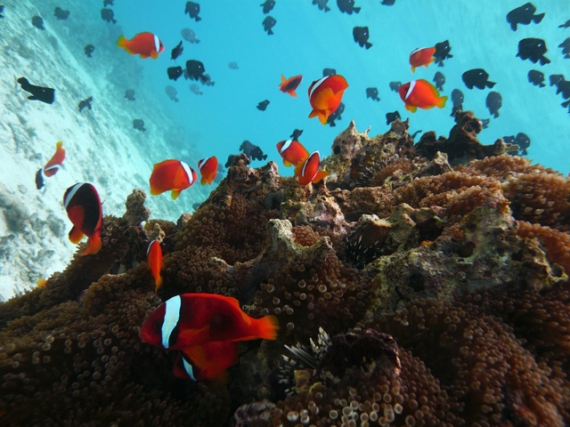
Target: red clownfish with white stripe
(422, 94)
(85, 211)
(208, 170)
(325, 95)
(292, 151)
(171, 175)
(143, 44)
(154, 261)
(308, 171)
(423, 56)
(53, 165)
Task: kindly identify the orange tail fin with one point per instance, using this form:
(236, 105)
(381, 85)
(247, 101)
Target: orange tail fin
(95, 245)
(441, 101)
(268, 327)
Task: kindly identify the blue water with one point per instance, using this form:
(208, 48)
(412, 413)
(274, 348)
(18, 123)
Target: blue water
(306, 40)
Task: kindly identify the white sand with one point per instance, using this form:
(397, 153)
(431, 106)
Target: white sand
(101, 145)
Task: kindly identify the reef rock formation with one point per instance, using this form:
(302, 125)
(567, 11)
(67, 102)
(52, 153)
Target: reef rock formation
(444, 291)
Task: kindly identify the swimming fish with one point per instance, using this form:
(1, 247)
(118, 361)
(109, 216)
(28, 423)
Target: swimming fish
(89, 49)
(322, 5)
(267, 6)
(292, 151)
(523, 141)
(347, 6)
(208, 169)
(144, 44)
(457, 97)
(439, 80)
(193, 319)
(565, 25)
(372, 93)
(536, 78)
(252, 151)
(174, 73)
(485, 123)
(565, 45)
(189, 35)
(53, 164)
(85, 211)
(361, 36)
(262, 106)
(38, 22)
(534, 50)
(171, 92)
(422, 56)
(296, 134)
(325, 95)
(194, 88)
(337, 115)
(154, 262)
(289, 85)
(85, 103)
(39, 179)
(108, 3)
(139, 125)
(108, 15)
(1, 10)
(494, 102)
(268, 23)
(422, 94)
(442, 50)
(523, 15)
(195, 70)
(130, 94)
(308, 171)
(329, 72)
(177, 51)
(193, 10)
(233, 65)
(478, 78)
(395, 86)
(38, 93)
(171, 175)
(59, 13)
(206, 361)
(391, 117)
(388, 2)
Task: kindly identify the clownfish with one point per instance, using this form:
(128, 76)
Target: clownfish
(308, 171)
(53, 165)
(171, 175)
(423, 56)
(154, 261)
(325, 95)
(289, 85)
(143, 44)
(208, 170)
(206, 361)
(85, 211)
(192, 319)
(292, 152)
(422, 94)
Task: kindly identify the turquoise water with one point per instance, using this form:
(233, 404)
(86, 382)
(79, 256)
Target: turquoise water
(306, 40)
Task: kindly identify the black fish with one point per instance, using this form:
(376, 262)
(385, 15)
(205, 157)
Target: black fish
(207, 80)
(329, 72)
(108, 15)
(322, 5)
(267, 6)
(388, 2)
(59, 13)
(252, 151)
(485, 123)
(563, 87)
(565, 25)
(89, 49)
(533, 49)
(395, 86)
(439, 80)
(263, 105)
(268, 23)
(523, 15)
(139, 124)
(556, 78)
(457, 98)
(230, 161)
(107, 3)
(38, 22)
(477, 77)
(174, 72)
(86, 103)
(523, 141)
(494, 103)
(193, 9)
(177, 51)
(361, 35)
(372, 92)
(391, 117)
(565, 45)
(336, 115)
(130, 94)
(347, 6)
(1, 10)
(536, 78)
(195, 70)
(39, 179)
(39, 93)
(509, 139)
(442, 50)
(296, 134)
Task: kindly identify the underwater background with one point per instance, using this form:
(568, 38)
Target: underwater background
(423, 282)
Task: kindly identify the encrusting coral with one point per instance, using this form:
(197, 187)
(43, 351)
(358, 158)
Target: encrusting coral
(444, 290)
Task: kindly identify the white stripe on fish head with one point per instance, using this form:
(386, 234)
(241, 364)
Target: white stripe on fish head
(188, 172)
(171, 318)
(316, 85)
(72, 192)
(411, 88)
(156, 43)
(286, 145)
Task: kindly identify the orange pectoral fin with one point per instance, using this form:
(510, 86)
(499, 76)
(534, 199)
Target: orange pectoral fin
(75, 235)
(287, 163)
(174, 194)
(320, 176)
(192, 337)
(95, 244)
(292, 93)
(411, 108)
(323, 116)
(154, 54)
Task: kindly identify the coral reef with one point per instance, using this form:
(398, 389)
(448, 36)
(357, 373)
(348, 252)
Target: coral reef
(443, 288)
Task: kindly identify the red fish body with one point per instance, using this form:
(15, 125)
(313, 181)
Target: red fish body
(292, 151)
(206, 361)
(308, 171)
(154, 261)
(53, 165)
(171, 175)
(192, 319)
(422, 94)
(423, 56)
(289, 85)
(208, 170)
(143, 44)
(325, 95)
(85, 211)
